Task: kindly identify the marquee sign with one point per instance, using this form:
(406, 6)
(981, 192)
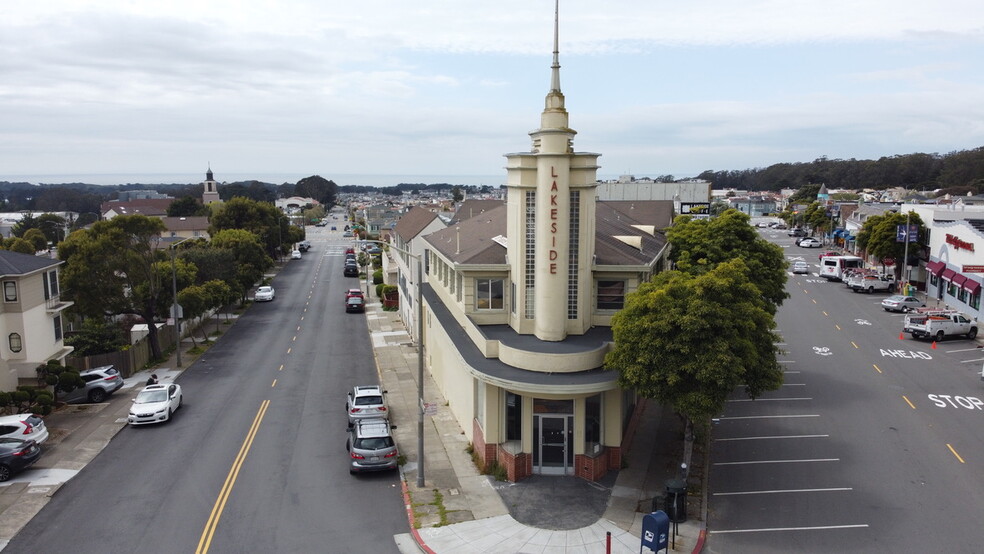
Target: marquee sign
(958, 244)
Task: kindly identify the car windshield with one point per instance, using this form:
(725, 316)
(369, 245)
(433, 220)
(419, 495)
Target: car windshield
(374, 443)
(264, 289)
(896, 298)
(148, 396)
(368, 400)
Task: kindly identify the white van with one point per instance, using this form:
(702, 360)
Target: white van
(832, 267)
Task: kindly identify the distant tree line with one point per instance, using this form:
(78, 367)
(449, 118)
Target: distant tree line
(956, 173)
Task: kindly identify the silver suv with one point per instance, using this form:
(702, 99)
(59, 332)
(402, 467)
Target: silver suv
(366, 401)
(371, 446)
(100, 382)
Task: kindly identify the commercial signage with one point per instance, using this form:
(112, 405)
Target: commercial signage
(699, 210)
(972, 269)
(958, 244)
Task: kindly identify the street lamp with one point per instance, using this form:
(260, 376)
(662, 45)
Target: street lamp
(420, 357)
(175, 308)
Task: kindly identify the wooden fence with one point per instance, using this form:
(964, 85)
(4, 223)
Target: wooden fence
(128, 361)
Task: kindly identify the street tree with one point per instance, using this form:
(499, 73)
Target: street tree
(251, 259)
(194, 303)
(212, 263)
(263, 219)
(700, 245)
(187, 206)
(690, 340)
(879, 239)
(110, 270)
(36, 238)
(96, 335)
(17, 244)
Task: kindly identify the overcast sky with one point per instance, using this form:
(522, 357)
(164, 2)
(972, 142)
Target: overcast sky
(447, 87)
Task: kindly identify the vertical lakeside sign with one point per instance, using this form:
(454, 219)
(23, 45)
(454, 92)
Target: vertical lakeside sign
(553, 222)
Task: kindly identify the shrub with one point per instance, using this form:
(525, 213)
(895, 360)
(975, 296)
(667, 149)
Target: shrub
(377, 277)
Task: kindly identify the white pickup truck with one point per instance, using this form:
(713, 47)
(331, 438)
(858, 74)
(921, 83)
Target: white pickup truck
(860, 282)
(939, 324)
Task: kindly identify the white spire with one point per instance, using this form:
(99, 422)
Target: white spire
(555, 68)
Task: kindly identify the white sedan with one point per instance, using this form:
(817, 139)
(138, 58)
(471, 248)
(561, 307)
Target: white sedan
(264, 294)
(809, 242)
(154, 404)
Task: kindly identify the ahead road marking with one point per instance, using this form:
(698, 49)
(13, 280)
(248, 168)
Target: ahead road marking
(770, 529)
(213, 519)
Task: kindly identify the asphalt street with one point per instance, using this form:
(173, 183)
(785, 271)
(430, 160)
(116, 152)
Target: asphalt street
(873, 444)
(255, 459)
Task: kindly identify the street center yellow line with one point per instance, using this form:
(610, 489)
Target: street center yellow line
(876, 367)
(281, 367)
(814, 300)
(293, 339)
(955, 453)
(838, 327)
(273, 384)
(907, 402)
(855, 345)
(213, 519)
(288, 350)
(825, 313)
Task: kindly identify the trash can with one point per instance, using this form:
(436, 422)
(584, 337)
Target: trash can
(676, 500)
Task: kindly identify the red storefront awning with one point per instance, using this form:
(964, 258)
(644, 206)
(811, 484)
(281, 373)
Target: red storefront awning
(935, 268)
(971, 286)
(948, 274)
(958, 279)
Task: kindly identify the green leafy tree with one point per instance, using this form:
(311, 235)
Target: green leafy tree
(37, 239)
(251, 259)
(212, 263)
(194, 303)
(27, 221)
(220, 294)
(456, 194)
(690, 340)
(60, 378)
(96, 336)
(53, 226)
(187, 206)
(263, 219)
(110, 270)
(18, 244)
(698, 246)
(805, 194)
(878, 239)
(318, 188)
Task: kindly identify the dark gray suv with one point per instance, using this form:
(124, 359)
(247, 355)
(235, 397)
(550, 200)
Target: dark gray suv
(371, 446)
(100, 382)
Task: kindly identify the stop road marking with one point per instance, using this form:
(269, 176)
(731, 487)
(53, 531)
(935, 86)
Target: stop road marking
(968, 402)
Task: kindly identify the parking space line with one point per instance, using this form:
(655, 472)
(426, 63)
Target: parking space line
(780, 491)
(962, 350)
(759, 462)
(767, 437)
(972, 361)
(768, 416)
(769, 399)
(773, 529)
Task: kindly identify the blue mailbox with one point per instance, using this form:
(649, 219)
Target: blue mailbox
(656, 531)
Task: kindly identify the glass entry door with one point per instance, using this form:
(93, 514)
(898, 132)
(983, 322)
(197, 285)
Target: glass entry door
(553, 444)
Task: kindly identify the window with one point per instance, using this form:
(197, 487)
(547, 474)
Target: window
(488, 294)
(514, 417)
(592, 425)
(975, 301)
(58, 328)
(14, 340)
(9, 291)
(611, 295)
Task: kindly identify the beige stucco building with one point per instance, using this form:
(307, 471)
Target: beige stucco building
(30, 316)
(518, 301)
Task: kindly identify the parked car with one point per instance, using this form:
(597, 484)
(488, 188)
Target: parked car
(861, 282)
(304, 245)
(939, 324)
(366, 401)
(155, 404)
(350, 293)
(371, 446)
(347, 234)
(100, 382)
(351, 270)
(16, 455)
(797, 232)
(809, 242)
(23, 427)
(901, 303)
(356, 304)
(264, 294)
(801, 267)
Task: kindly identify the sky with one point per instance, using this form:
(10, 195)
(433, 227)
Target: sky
(445, 88)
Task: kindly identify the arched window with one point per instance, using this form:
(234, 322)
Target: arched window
(15, 342)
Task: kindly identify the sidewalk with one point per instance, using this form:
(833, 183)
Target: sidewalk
(461, 511)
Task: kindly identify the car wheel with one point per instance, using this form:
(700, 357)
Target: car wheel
(4, 473)
(170, 412)
(180, 400)
(939, 336)
(871, 290)
(972, 333)
(97, 395)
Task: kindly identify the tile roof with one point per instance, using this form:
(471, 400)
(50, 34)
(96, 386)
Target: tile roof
(472, 207)
(470, 241)
(144, 206)
(192, 223)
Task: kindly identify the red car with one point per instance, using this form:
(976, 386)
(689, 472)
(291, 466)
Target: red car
(354, 293)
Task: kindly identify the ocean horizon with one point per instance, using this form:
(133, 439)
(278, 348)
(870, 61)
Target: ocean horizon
(342, 179)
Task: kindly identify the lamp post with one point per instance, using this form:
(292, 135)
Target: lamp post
(420, 357)
(175, 308)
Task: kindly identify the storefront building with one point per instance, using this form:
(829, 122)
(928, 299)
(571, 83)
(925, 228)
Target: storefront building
(518, 302)
(955, 270)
